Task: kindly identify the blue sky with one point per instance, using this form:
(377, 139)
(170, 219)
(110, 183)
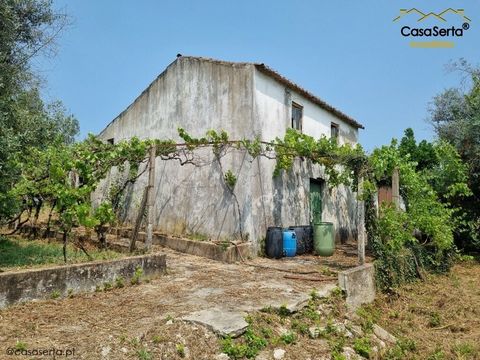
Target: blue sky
(349, 53)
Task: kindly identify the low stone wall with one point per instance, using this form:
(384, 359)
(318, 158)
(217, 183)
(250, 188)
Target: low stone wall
(229, 254)
(358, 284)
(20, 286)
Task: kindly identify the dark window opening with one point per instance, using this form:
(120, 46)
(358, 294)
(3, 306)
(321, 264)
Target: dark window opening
(111, 141)
(297, 114)
(334, 131)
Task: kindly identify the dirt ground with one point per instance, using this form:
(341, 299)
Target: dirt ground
(441, 315)
(135, 321)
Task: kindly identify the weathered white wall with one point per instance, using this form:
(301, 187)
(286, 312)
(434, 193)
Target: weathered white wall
(285, 199)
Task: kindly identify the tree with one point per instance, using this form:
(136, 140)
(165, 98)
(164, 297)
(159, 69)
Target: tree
(27, 28)
(455, 116)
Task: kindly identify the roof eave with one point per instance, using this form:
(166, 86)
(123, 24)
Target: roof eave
(290, 84)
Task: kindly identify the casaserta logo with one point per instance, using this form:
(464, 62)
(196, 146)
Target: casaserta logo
(419, 31)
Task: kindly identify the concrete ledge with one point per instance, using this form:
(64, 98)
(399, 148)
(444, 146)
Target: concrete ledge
(25, 285)
(209, 250)
(358, 284)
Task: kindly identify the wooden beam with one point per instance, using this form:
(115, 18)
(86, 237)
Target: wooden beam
(361, 233)
(151, 198)
(138, 222)
(396, 188)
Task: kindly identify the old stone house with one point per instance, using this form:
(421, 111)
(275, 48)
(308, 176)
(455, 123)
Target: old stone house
(246, 100)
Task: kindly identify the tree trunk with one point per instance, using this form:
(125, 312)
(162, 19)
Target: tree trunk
(47, 231)
(64, 238)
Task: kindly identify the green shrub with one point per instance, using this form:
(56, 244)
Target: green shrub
(55, 294)
(249, 345)
(119, 282)
(137, 276)
(288, 338)
(363, 347)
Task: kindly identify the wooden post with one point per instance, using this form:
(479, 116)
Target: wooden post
(151, 198)
(361, 224)
(138, 222)
(396, 188)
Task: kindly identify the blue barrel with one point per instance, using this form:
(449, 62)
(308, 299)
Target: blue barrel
(289, 243)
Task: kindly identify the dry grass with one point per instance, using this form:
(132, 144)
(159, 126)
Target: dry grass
(441, 315)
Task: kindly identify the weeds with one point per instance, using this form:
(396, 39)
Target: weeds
(438, 354)
(369, 316)
(401, 349)
(464, 350)
(119, 282)
(300, 327)
(251, 346)
(288, 338)
(180, 350)
(157, 339)
(107, 286)
(336, 347)
(283, 311)
(20, 345)
(137, 276)
(363, 347)
(144, 354)
(434, 320)
(198, 237)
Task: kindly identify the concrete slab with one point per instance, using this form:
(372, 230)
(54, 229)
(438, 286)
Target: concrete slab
(358, 284)
(221, 321)
(297, 301)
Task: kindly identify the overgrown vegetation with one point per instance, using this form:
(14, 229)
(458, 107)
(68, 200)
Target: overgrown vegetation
(435, 319)
(455, 116)
(406, 243)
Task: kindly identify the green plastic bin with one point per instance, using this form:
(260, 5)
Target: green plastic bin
(323, 238)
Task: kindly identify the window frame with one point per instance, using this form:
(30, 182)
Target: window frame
(299, 107)
(337, 131)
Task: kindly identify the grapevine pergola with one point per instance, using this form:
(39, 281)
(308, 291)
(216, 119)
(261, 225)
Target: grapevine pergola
(63, 177)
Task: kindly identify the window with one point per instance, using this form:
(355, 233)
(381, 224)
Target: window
(297, 114)
(111, 141)
(334, 131)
